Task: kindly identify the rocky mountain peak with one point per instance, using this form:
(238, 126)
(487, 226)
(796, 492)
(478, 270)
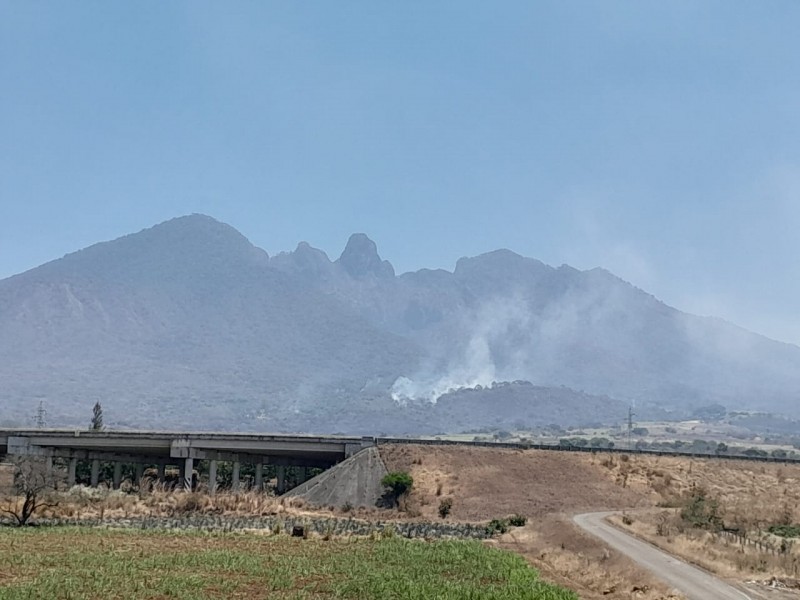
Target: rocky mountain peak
(306, 261)
(360, 259)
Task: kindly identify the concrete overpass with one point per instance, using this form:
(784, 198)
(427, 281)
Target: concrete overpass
(162, 449)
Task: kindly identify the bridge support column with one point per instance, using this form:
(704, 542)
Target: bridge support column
(72, 468)
(48, 470)
(235, 476)
(188, 473)
(281, 472)
(117, 475)
(259, 476)
(139, 474)
(95, 479)
(162, 471)
(212, 477)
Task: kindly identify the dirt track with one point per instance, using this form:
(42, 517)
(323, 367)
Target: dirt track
(691, 581)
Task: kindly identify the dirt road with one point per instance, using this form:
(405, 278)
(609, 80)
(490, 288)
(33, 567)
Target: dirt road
(694, 583)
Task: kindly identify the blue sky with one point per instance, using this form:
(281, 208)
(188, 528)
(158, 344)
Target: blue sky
(657, 139)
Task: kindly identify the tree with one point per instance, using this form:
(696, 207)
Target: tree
(33, 478)
(701, 511)
(96, 424)
(398, 483)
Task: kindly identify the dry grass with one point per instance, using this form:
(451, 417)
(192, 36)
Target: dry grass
(485, 483)
(720, 554)
(102, 503)
(88, 503)
(751, 494)
(6, 477)
(568, 556)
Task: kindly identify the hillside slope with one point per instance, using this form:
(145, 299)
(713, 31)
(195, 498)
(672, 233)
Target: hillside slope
(188, 325)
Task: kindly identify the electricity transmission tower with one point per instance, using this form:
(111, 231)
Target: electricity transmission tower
(41, 416)
(630, 424)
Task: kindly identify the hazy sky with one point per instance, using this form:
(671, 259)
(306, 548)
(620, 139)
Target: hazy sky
(657, 139)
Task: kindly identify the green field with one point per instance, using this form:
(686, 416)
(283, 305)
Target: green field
(75, 563)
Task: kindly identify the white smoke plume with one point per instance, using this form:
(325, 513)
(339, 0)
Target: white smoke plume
(477, 364)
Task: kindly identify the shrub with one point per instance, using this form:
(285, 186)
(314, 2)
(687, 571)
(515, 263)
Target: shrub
(497, 526)
(399, 484)
(517, 521)
(786, 531)
(388, 532)
(33, 481)
(702, 512)
(445, 505)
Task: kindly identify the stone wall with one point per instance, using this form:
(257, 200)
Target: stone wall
(283, 524)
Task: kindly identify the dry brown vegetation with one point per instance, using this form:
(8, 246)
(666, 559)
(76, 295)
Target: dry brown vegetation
(570, 557)
(724, 555)
(484, 483)
(102, 503)
(750, 496)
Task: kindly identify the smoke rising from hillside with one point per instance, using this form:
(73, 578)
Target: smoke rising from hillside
(485, 358)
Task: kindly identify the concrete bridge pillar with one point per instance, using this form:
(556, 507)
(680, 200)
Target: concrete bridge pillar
(212, 477)
(162, 468)
(235, 476)
(72, 468)
(139, 474)
(187, 468)
(95, 479)
(281, 472)
(259, 476)
(117, 481)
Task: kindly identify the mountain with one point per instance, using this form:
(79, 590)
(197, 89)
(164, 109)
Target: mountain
(504, 317)
(182, 324)
(188, 325)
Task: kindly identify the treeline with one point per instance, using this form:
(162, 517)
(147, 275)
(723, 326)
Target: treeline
(690, 447)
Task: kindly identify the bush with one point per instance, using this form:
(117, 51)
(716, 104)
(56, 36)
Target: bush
(786, 531)
(517, 521)
(445, 506)
(399, 484)
(497, 526)
(702, 512)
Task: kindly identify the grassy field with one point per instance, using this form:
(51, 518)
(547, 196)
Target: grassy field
(75, 563)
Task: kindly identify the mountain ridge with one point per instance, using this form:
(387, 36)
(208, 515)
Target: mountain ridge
(189, 313)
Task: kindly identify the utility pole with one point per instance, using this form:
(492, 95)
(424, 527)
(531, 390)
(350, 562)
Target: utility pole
(41, 416)
(630, 424)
